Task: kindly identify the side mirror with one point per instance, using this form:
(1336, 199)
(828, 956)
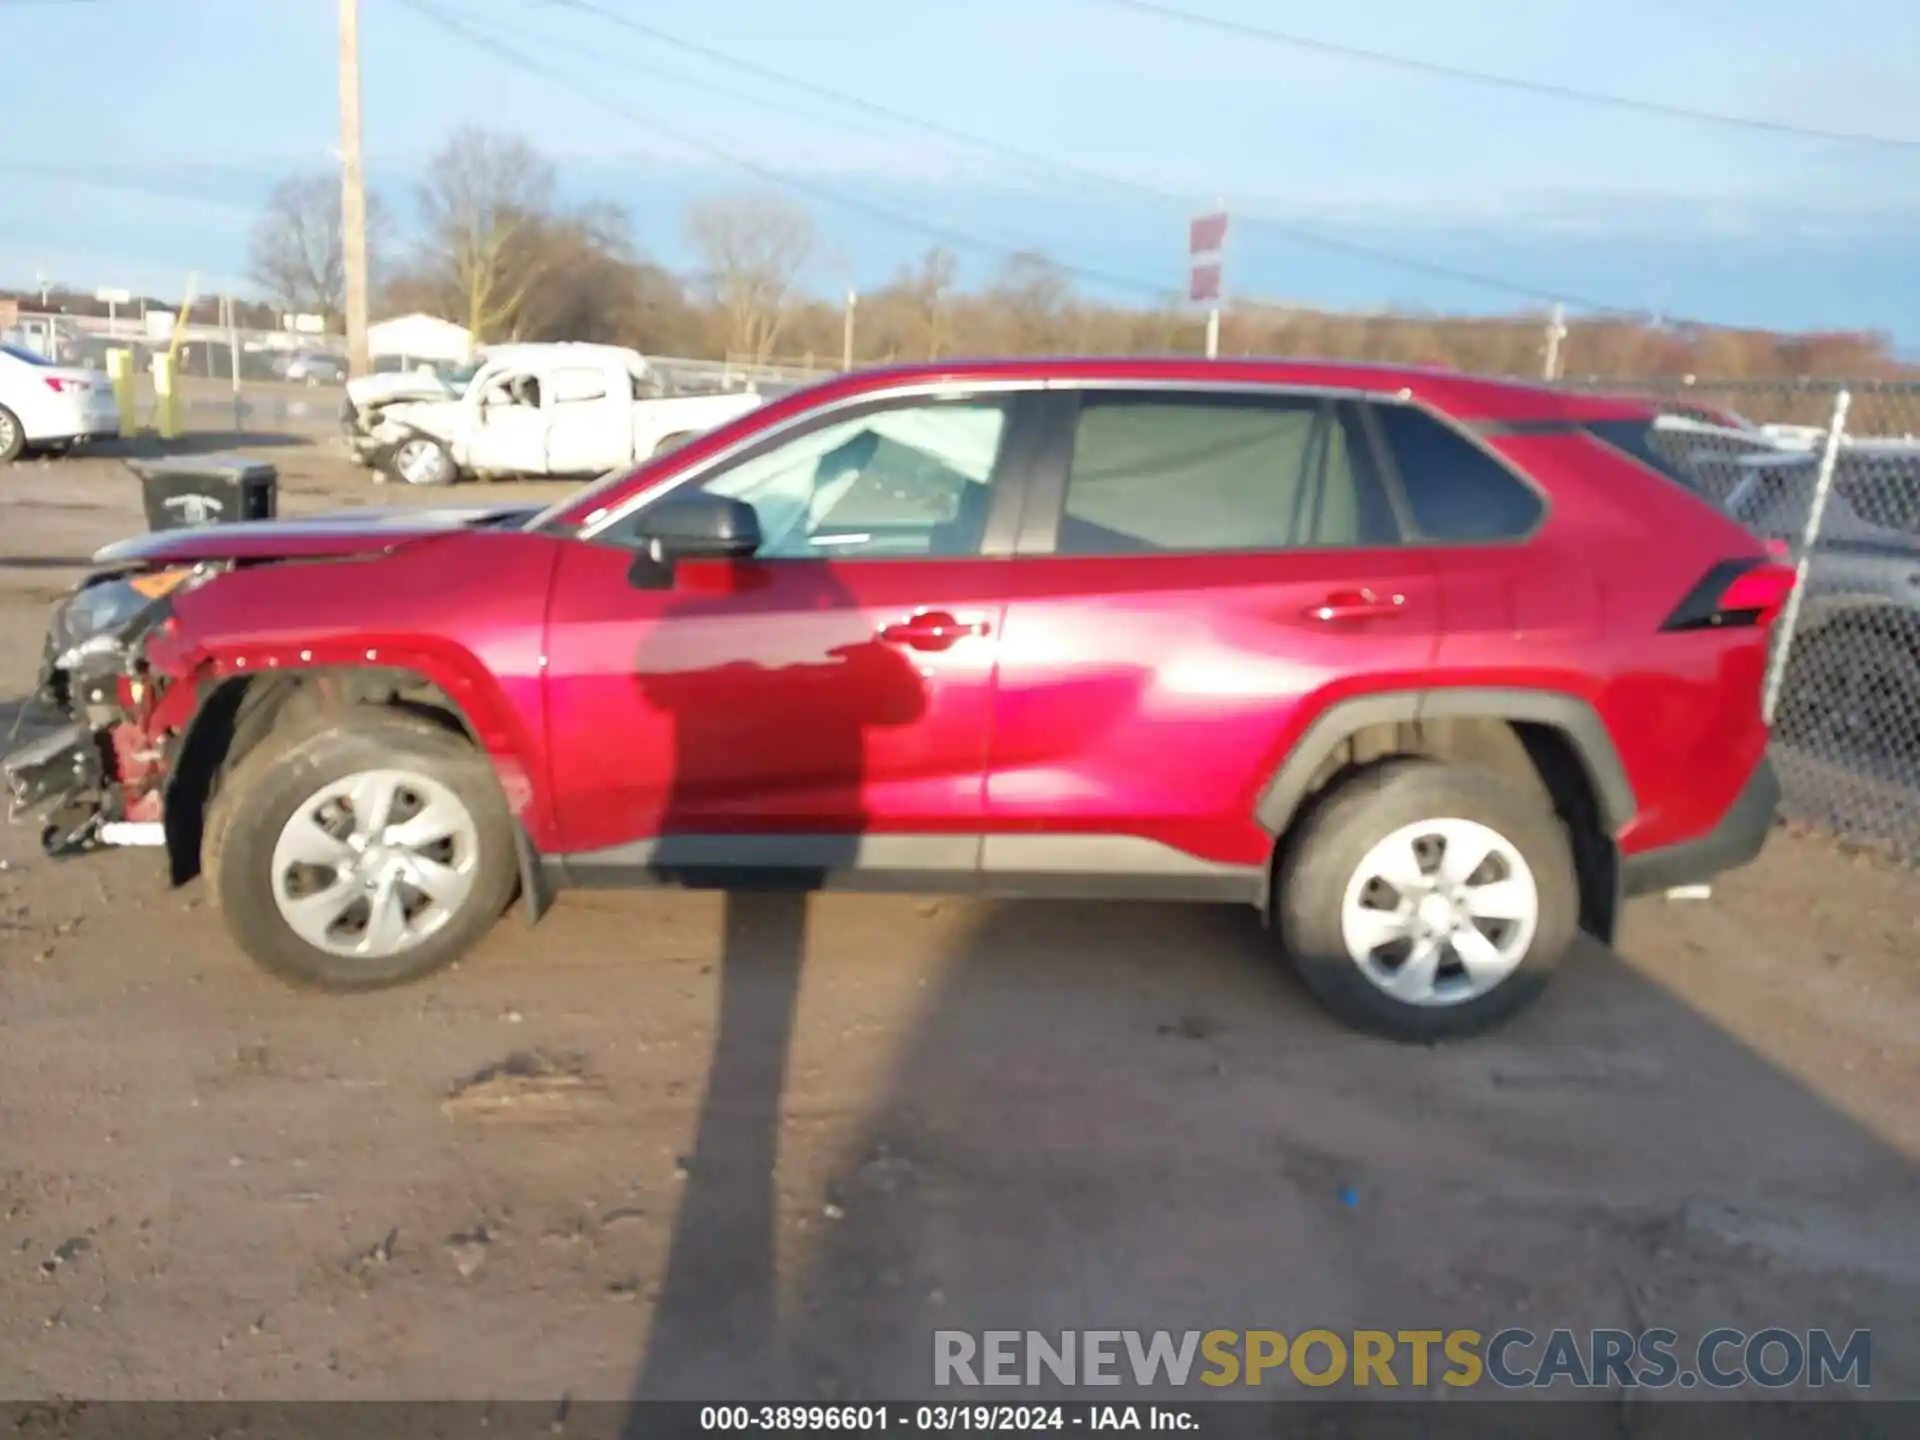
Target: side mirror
(699, 526)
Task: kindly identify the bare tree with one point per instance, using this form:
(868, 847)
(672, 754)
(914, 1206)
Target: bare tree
(483, 197)
(579, 274)
(928, 293)
(753, 250)
(297, 251)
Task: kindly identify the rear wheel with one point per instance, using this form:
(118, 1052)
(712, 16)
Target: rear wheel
(673, 442)
(13, 438)
(1423, 901)
(360, 849)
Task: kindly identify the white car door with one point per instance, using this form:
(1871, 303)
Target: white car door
(510, 434)
(589, 419)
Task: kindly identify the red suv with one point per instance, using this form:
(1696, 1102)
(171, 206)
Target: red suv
(1430, 670)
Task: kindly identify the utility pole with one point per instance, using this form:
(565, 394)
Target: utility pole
(846, 333)
(233, 355)
(1556, 332)
(353, 190)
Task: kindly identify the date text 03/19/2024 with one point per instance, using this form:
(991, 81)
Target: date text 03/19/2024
(943, 1419)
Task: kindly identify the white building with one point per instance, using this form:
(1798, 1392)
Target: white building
(419, 339)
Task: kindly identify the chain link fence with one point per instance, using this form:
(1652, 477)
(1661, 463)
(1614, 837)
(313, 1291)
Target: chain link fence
(1830, 473)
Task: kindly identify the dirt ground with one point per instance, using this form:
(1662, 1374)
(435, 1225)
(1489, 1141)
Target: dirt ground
(679, 1145)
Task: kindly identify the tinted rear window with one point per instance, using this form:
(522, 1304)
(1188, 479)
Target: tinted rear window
(1173, 474)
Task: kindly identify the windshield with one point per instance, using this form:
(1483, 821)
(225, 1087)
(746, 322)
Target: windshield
(21, 353)
(461, 376)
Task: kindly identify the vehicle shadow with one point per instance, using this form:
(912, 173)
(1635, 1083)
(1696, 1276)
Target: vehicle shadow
(1132, 1117)
(716, 1329)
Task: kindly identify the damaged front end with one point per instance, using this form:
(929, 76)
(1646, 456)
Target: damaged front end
(97, 777)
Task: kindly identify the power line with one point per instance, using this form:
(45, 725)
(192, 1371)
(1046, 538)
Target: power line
(1058, 168)
(943, 234)
(597, 54)
(1548, 89)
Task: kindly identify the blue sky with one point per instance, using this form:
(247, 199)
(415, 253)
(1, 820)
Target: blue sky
(217, 98)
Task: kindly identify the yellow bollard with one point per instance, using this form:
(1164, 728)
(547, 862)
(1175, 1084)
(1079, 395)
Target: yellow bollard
(166, 397)
(120, 376)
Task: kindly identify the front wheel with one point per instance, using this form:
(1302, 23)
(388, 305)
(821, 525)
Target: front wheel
(422, 460)
(1423, 901)
(365, 849)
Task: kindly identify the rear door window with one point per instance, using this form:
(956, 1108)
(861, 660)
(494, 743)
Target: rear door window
(1192, 473)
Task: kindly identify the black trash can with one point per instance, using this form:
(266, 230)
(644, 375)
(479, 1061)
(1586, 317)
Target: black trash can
(187, 491)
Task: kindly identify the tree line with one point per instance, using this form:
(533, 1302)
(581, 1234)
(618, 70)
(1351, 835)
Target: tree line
(497, 249)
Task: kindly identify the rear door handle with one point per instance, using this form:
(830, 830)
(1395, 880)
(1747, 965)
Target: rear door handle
(1363, 604)
(931, 630)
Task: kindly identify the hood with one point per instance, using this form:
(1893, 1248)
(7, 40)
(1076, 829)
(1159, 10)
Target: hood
(365, 390)
(338, 532)
(438, 416)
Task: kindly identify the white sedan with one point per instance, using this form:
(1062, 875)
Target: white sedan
(48, 408)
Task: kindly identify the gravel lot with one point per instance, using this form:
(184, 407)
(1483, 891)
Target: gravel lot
(750, 1146)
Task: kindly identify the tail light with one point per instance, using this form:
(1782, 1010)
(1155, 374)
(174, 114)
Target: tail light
(61, 385)
(1735, 594)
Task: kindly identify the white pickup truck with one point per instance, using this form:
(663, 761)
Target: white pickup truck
(560, 409)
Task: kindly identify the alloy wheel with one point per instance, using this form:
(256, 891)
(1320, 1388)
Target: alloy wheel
(374, 864)
(1440, 912)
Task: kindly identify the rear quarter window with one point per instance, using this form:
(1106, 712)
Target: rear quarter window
(1455, 491)
(1641, 440)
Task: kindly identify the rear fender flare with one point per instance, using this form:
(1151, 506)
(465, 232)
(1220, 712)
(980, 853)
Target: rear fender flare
(1281, 797)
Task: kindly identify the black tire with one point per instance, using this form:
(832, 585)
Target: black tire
(292, 764)
(13, 437)
(673, 441)
(1327, 849)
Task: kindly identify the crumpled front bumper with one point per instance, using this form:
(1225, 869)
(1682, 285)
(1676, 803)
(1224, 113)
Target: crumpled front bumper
(59, 774)
(67, 772)
(51, 768)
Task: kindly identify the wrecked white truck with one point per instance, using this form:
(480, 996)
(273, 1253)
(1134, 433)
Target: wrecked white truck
(560, 409)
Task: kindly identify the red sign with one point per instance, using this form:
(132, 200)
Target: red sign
(1203, 281)
(1207, 234)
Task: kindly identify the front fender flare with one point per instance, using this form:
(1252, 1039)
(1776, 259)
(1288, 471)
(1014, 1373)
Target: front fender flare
(473, 694)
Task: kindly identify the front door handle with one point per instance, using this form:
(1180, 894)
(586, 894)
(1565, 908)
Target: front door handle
(931, 630)
(1363, 604)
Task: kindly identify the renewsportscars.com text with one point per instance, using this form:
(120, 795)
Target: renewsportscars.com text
(1513, 1358)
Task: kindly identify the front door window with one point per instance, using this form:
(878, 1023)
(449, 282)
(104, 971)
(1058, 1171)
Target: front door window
(911, 481)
